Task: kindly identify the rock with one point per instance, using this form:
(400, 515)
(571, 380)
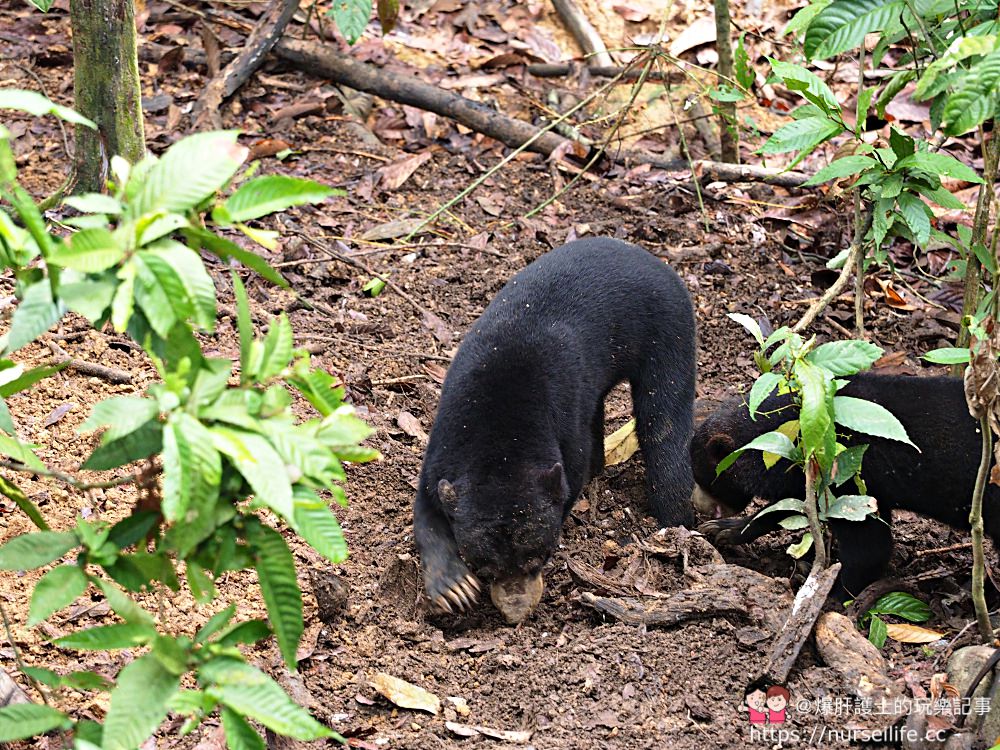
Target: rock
(963, 667)
(331, 593)
(516, 598)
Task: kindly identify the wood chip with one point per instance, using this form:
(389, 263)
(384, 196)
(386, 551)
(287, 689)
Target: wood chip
(405, 694)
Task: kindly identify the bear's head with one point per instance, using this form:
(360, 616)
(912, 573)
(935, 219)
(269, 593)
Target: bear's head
(506, 524)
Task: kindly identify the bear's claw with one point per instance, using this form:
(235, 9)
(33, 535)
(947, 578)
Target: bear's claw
(454, 590)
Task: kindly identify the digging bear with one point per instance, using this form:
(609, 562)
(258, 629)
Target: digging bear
(936, 482)
(520, 425)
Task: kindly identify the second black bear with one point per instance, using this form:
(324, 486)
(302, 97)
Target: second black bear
(520, 425)
(936, 482)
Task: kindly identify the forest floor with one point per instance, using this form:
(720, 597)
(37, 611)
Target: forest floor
(568, 677)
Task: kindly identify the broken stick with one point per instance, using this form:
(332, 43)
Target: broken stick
(584, 33)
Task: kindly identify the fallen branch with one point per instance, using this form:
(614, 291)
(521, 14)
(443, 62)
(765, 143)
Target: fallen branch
(807, 607)
(344, 70)
(627, 75)
(584, 33)
(111, 374)
(673, 610)
(262, 39)
(850, 264)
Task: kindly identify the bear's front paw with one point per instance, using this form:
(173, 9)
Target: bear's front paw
(450, 585)
(725, 530)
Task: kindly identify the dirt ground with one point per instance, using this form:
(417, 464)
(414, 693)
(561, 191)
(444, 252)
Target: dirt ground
(570, 678)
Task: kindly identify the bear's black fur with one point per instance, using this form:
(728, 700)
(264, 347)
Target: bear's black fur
(520, 425)
(936, 482)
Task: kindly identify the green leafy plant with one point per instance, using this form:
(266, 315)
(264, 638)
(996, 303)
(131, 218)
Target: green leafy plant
(897, 604)
(811, 375)
(221, 464)
(352, 16)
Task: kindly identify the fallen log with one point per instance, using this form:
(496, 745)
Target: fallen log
(343, 69)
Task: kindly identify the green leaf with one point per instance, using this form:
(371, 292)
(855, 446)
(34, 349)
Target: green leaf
(259, 464)
(804, 16)
(56, 589)
(277, 350)
(244, 325)
(94, 203)
(316, 523)
(192, 471)
(30, 551)
(962, 48)
(948, 355)
(843, 167)
(940, 163)
(976, 99)
(138, 703)
(28, 379)
(109, 637)
(851, 508)
(870, 418)
(122, 415)
(799, 549)
(800, 135)
(843, 25)
(901, 604)
(122, 605)
(19, 452)
(896, 84)
(750, 324)
(35, 104)
(917, 215)
(138, 444)
(189, 269)
(278, 584)
(6, 421)
(247, 633)
(24, 721)
(188, 172)
(388, 12)
(215, 623)
(789, 503)
(226, 249)
(807, 83)
(123, 303)
(318, 388)
(89, 297)
(847, 464)
(762, 388)
(770, 442)
(270, 193)
(34, 315)
(844, 357)
(89, 251)
(10, 490)
(877, 632)
(941, 196)
(160, 294)
(351, 17)
(239, 734)
(251, 693)
(132, 528)
(815, 417)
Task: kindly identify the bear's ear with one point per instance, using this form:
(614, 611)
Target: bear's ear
(447, 495)
(719, 446)
(552, 481)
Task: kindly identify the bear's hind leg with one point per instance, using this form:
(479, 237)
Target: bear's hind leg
(864, 549)
(597, 437)
(663, 402)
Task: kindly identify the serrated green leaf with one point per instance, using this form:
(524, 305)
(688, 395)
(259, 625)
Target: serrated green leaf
(762, 388)
(917, 215)
(948, 356)
(88, 251)
(23, 721)
(270, 193)
(343, 428)
(962, 48)
(351, 17)
(843, 167)
(843, 25)
(869, 418)
(35, 104)
(276, 573)
(804, 16)
(319, 388)
(56, 589)
(136, 445)
(844, 357)
(942, 197)
(976, 97)
(316, 523)
(188, 172)
(800, 135)
(251, 693)
(160, 293)
(121, 414)
(33, 550)
(138, 703)
(239, 734)
(259, 464)
(108, 637)
(34, 315)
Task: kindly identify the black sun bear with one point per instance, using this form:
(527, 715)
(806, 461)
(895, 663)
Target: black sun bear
(937, 481)
(520, 426)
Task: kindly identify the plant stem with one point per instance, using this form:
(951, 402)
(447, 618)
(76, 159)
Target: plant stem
(812, 513)
(66, 478)
(859, 270)
(976, 521)
(729, 138)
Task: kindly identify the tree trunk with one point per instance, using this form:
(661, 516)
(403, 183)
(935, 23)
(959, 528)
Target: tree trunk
(729, 137)
(106, 88)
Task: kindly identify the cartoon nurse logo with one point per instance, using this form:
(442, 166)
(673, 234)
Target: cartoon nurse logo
(766, 703)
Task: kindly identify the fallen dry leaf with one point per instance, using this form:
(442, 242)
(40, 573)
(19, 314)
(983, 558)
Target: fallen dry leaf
(435, 372)
(436, 326)
(405, 694)
(893, 298)
(905, 633)
(411, 426)
(631, 12)
(700, 32)
(468, 730)
(58, 413)
(621, 444)
(395, 174)
(392, 229)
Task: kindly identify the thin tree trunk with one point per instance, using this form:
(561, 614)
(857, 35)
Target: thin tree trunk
(729, 137)
(976, 521)
(105, 87)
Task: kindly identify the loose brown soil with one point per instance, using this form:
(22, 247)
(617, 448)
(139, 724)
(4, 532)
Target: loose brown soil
(573, 680)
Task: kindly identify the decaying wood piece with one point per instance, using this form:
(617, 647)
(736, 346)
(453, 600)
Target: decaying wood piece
(627, 75)
(584, 32)
(262, 39)
(10, 692)
(679, 607)
(383, 83)
(808, 604)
